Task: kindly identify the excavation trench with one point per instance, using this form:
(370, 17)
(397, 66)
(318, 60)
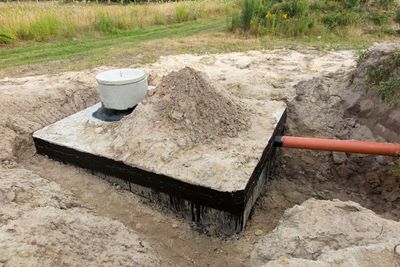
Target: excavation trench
(317, 106)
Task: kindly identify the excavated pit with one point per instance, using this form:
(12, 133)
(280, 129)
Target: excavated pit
(191, 147)
(314, 84)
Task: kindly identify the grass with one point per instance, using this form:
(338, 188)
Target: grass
(51, 37)
(307, 17)
(362, 55)
(49, 21)
(34, 54)
(147, 45)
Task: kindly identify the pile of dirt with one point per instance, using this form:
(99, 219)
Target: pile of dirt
(328, 233)
(42, 224)
(192, 104)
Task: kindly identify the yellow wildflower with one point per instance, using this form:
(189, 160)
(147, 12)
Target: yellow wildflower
(269, 15)
(284, 15)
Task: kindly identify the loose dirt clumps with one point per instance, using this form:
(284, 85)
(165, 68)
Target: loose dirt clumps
(42, 224)
(329, 233)
(195, 106)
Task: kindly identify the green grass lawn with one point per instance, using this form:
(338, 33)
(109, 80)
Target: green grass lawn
(97, 49)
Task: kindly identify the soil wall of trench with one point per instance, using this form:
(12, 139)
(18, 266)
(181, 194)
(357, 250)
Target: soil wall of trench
(339, 106)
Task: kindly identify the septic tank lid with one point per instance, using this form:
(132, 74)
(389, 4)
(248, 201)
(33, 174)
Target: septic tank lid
(120, 76)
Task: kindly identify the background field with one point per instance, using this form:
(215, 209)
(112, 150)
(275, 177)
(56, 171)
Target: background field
(55, 36)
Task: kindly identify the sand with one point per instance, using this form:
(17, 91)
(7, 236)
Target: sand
(28, 104)
(190, 103)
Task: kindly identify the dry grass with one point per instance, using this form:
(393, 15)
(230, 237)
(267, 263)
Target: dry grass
(51, 20)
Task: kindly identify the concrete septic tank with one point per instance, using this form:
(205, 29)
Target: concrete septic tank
(214, 184)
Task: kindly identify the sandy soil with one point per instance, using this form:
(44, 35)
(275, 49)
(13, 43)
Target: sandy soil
(356, 237)
(27, 104)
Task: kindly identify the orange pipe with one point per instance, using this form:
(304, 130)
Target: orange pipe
(387, 149)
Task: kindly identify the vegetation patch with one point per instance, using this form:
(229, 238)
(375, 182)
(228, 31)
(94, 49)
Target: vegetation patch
(384, 77)
(306, 17)
(49, 21)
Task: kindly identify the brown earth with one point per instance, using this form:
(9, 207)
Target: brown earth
(79, 203)
(195, 107)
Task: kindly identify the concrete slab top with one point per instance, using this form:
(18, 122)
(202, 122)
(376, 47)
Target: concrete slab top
(223, 165)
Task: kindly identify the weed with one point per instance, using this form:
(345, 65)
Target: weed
(295, 8)
(42, 28)
(235, 21)
(300, 26)
(379, 18)
(160, 18)
(362, 55)
(249, 9)
(396, 169)
(389, 91)
(345, 18)
(105, 23)
(376, 75)
(182, 14)
(6, 38)
(396, 59)
(397, 15)
(352, 3)
(385, 3)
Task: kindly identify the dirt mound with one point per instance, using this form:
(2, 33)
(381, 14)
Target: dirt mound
(44, 225)
(325, 233)
(192, 104)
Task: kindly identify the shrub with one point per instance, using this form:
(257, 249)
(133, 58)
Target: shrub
(182, 14)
